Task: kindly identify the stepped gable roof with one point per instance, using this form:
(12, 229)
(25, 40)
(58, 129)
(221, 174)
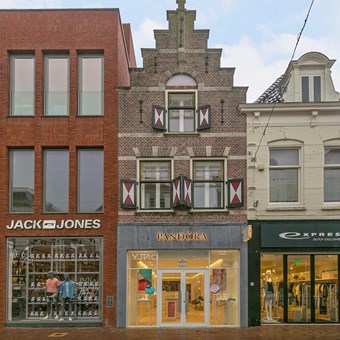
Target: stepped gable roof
(272, 94)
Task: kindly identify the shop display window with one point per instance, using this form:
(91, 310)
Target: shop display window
(272, 289)
(305, 292)
(326, 288)
(224, 287)
(207, 281)
(142, 297)
(75, 263)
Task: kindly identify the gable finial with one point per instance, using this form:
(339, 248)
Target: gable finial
(181, 4)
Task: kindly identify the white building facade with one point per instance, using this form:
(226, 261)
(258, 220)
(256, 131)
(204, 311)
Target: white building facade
(293, 176)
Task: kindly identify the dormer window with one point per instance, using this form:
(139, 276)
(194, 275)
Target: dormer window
(311, 89)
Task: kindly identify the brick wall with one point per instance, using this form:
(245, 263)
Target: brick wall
(182, 52)
(69, 31)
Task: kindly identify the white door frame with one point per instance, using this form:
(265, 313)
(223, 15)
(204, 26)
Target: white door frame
(183, 273)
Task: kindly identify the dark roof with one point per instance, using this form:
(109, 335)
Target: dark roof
(272, 94)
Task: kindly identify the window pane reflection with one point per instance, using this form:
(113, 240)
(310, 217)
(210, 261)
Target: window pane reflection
(22, 180)
(56, 180)
(90, 180)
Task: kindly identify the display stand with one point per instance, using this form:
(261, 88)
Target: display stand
(29, 278)
(144, 301)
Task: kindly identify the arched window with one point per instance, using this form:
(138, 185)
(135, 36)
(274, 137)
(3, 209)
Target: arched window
(180, 80)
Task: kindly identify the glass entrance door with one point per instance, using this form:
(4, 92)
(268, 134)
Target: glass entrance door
(183, 297)
(299, 288)
(305, 288)
(313, 288)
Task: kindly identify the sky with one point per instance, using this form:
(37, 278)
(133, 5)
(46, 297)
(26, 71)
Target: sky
(258, 37)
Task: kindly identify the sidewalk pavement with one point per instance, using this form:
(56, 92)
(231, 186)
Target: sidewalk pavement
(279, 332)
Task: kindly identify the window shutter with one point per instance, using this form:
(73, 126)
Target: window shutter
(235, 193)
(176, 192)
(158, 117)
(128, 194)
(187, 191)
(204, 117)
(181, 192)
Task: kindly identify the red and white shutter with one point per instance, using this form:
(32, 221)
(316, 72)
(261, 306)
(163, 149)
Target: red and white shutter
(181, 192)
(158, 117)
(128, 194)
(176, 192)
(187, 193)
(235, 193)
(204, 117)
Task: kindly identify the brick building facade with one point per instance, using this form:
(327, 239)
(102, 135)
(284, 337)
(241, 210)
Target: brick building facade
(182, 167)
(58, 121)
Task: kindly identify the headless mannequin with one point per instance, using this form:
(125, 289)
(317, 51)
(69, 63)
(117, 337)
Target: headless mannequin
(268, 294)
(52, 284)
(66, 292)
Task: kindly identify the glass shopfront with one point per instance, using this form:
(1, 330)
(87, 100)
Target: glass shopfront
(305, 288)
(72, 264)
(183, 288)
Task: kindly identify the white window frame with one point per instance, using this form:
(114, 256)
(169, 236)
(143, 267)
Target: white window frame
(311, 87)
(224, 187)
(140, 196)
(287, 167)
(180, 91)
(329, 167)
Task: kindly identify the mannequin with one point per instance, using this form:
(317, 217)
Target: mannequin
(66, 292)
(268, 287)
(52, 285)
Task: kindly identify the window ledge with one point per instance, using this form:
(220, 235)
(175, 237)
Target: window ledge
(181, 134)
(182, 212)
(205, 211)
(331, 207)
(163, 212)
(286, 208)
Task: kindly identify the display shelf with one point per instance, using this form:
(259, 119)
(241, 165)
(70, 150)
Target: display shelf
(82, 265)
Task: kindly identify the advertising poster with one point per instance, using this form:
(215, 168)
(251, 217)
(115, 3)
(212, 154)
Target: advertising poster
(144, 278)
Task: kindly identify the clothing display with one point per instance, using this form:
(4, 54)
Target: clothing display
(52, 285)
(67, 289)
(66, 292)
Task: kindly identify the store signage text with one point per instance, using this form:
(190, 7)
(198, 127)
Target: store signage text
(292, 235)
(145, 257)
(189, 236)
(53, 224)
(304, 234)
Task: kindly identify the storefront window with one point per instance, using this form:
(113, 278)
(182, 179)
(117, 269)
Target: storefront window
(306, 293)
(183, 287)
(224, 287)
(142, 288)
(74, 265)
(299, 288)
(326, 288)
(272, 289)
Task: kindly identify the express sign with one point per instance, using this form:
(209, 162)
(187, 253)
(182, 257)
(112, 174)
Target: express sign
(298, 234)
